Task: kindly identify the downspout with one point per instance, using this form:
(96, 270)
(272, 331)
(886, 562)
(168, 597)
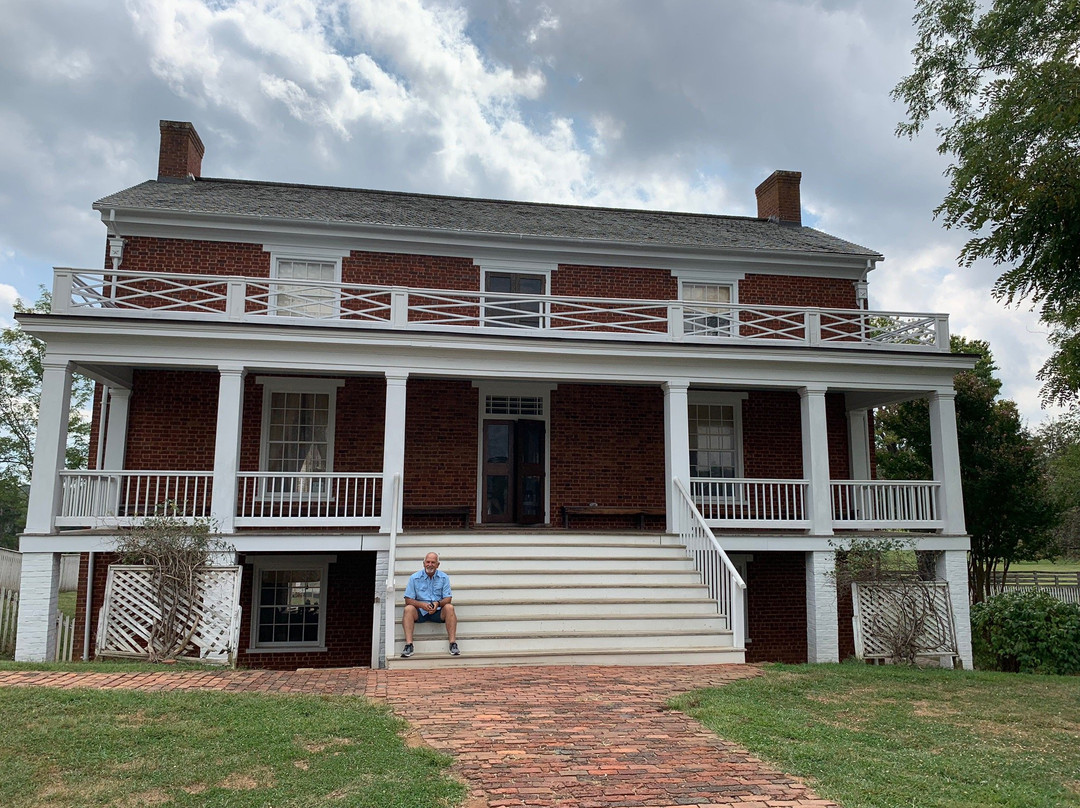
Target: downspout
(89, 606)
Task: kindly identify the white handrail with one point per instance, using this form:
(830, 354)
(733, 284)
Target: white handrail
(724, 582)
(390, 599)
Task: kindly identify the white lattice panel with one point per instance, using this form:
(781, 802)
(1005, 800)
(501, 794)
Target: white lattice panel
(131, 611)
(880, 606)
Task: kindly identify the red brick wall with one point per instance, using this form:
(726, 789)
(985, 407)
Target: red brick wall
(791, 290)
(172, 420)
(145, 254)
(836, 426)
(776, 594)
(772, 435)
(607, 447)
(589, 281)
(350, 597)
(441, 435)
(95, 424)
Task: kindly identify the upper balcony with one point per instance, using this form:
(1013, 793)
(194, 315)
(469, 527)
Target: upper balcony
(253, 299)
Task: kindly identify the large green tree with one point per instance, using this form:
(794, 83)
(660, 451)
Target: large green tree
(1059, 440)
(1001, 80)
(21, 358)
(1009, 511)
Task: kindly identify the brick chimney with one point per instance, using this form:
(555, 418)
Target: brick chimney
(778, 197)
(181, 152)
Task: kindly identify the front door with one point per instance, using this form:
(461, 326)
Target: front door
(513, 472)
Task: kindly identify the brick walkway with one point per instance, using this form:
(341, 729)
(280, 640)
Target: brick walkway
(574, 737)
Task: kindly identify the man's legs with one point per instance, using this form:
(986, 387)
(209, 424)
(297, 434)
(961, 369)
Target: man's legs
(408, 620)
(450, 618)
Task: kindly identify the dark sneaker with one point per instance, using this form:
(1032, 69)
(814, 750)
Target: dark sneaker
(407, 651)
(454, 650)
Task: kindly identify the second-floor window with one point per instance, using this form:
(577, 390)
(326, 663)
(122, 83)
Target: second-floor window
(705, 308)
(298, 435)
(511, 312)
(317, 298)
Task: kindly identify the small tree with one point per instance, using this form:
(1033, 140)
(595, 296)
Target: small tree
(908, 614)
(175, 550)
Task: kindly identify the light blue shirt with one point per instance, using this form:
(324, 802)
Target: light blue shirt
(428, 590)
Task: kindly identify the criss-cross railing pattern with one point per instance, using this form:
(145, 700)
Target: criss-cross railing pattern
(363, 305)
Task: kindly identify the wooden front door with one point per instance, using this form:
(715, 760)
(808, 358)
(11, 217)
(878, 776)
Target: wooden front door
(513, 472)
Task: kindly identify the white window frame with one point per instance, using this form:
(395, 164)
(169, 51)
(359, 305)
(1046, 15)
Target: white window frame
(295, 384)
(713, 277)
(261, 563)
(504, 267)
(724, 399)
(279, 253)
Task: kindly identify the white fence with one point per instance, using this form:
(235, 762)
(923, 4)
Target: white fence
(111, 292)
(886, 503)
(751, 503)
(110, 498)
(1067, 594)
(11, 570)
(9, 622)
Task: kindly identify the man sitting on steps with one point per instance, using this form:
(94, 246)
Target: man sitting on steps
(427, 597)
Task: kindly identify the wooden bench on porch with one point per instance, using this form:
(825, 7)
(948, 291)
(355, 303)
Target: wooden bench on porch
(604, 510)
(439, 510)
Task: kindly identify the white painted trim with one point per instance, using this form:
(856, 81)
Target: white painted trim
(286, 562)
(292, 252)
(716, 277)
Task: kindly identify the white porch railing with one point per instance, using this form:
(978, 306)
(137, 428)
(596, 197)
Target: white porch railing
(725, 584)
(751, 503)
(327, 498)
(120, 498)
(112, 293)
(884, 504)
(124, 498)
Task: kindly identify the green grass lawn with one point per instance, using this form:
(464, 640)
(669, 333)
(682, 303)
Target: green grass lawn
(1061, 565)
(65, 602)
(879, 737)
(67, 748)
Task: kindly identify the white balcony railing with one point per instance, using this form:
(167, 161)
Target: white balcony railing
(110, 498)
(751, 503)
(884, 504)
(122, 498)
(113, 293)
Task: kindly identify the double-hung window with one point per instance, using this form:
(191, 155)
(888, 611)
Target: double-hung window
(289, 609)
(705, 308)
(306, 282)
(715, 427)
(297, 435)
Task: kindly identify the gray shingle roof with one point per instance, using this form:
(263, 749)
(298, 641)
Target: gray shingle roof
(207, 196)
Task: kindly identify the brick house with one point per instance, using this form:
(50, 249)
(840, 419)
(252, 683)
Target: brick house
(634, 436)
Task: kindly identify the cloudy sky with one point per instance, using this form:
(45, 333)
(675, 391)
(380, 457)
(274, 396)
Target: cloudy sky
(673, 104)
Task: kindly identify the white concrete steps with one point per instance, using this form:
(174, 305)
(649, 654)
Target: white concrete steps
(565, 598)
(685, 656)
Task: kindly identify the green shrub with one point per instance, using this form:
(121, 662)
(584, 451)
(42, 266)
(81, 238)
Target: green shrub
(1027, 632)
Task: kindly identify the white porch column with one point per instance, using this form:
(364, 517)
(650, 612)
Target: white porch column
(945, 451)
(49, 448)
(815, 446)
(952, 567)
(38, 590)
(116, 434)
(227, 447)
(858, 423)
(822, 627)
(393, 445)
(676, 445)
